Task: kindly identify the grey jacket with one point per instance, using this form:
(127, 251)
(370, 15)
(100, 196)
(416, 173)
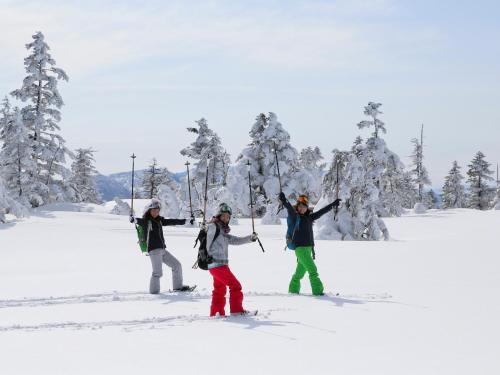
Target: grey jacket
(218, 249)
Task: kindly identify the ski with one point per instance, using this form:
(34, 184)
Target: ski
(187, 290)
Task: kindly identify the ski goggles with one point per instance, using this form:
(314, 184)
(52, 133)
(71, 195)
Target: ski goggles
(225, 209)
(303, 199)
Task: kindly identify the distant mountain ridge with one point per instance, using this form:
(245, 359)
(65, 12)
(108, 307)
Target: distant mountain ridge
(119, 184)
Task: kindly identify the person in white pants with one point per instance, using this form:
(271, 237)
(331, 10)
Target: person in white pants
(152, 224)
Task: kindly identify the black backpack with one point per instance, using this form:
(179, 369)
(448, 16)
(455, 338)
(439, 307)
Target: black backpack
(203, 258)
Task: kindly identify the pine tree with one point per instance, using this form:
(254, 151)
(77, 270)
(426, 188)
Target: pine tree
(479, 175)
(152, 178)
(17, 160)
(267, 136)
(8, 205)
(372, 184)
(496, 201)
(310, 173)
(207, 144)
(372, 110)
(42, 116)
(430, 199)
(83, 177)
(453, 190)
(421, 177)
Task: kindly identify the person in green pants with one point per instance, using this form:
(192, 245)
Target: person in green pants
(302, 239)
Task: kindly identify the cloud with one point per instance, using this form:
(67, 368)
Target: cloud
(96, 36)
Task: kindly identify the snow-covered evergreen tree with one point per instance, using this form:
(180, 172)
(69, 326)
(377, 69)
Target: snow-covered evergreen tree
(430, 199)
(151, 180)
(17, 163)
(372, 184)
(408, 190)
(310, 173)
(207, 144)
(372, 110)
(479, 174)
(121, 207)
(8, 205)
(169, 195)
(420, 175)
(83, 179)
(453, 190)
(357, 218)
(267, 135)
(41, 117)
(496, 201)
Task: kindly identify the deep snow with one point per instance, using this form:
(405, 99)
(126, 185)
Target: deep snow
(73, 301)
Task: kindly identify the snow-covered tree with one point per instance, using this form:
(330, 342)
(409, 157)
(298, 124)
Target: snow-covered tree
(420, 175)
(267, 136)
(169, 195)
(42, 116)
(479, 174)
(310, 173)
(17, 163)
(121, 207)
(207, 144)
(357, 218)
(372, 110)
(8, 205)
(408, 190)
(431, 199)
(83, 179)
(453, 190)
(151, 180)
(496, 201)
(372, 184)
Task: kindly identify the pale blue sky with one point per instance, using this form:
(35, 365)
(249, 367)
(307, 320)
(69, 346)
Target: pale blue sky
(141, 72)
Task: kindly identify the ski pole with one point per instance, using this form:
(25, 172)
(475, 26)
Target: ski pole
(206, 191)
(280, 207)
(195, 265)
(189, 189)
(133, 174)
(337, 188)
(251, 204)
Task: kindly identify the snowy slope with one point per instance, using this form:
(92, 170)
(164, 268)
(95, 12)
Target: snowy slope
(73, 301)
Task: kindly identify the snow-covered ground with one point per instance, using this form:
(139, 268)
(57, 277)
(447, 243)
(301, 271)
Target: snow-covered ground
(73, 300)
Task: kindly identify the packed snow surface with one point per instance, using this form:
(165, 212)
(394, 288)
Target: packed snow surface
(73, 300)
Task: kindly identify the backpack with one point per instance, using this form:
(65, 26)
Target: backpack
(143, 237)
(292, 228)
(204, 259)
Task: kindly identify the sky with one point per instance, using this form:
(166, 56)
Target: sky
(142, 72)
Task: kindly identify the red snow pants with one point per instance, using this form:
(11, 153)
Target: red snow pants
(223, 278)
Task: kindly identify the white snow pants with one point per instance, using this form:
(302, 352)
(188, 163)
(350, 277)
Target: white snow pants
(158, 257)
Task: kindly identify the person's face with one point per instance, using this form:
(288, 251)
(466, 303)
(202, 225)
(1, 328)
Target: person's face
(155, 212)
(225, 218)
(301, 209)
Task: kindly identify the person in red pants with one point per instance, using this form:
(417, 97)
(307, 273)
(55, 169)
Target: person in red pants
(218, 241)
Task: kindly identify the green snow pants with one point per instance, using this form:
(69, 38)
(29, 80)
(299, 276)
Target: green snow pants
(305, 263)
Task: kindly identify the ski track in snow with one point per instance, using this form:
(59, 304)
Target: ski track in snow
(261, 320)
(141, 296)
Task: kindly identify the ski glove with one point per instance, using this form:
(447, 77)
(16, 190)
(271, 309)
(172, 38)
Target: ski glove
(254, 237)
(131, 219)
(191, 221)
(336, 202)
(282, 197)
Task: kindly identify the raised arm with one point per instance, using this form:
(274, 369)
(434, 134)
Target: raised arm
(291, 211)
(169, 222)
(316, 215)
(234, 240)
